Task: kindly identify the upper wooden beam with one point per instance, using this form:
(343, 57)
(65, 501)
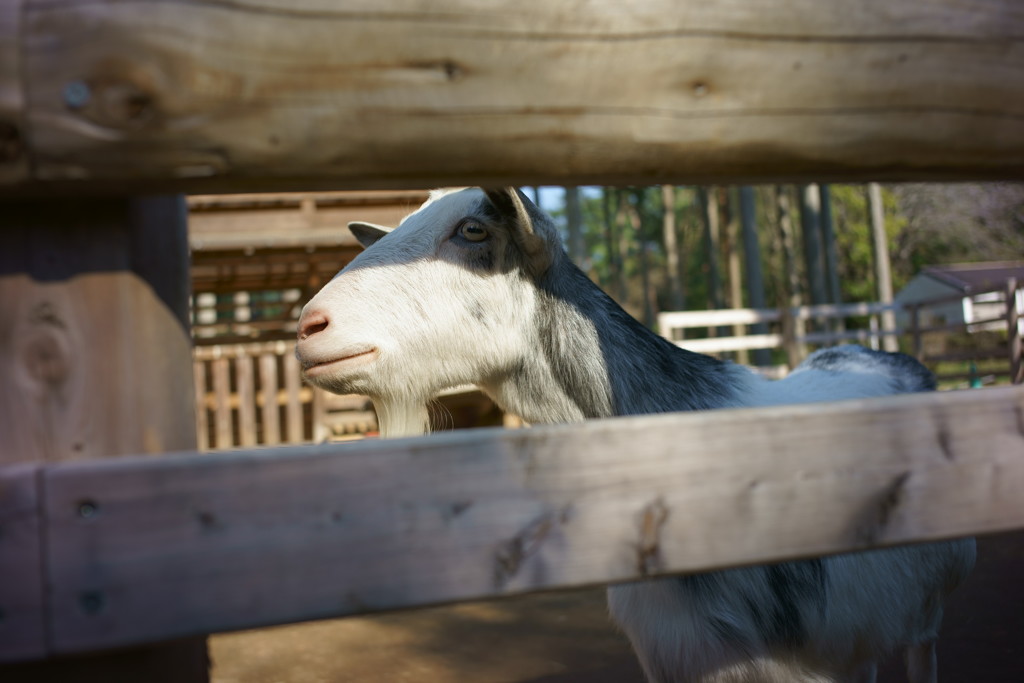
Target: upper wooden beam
(267, 94)
(152, 549)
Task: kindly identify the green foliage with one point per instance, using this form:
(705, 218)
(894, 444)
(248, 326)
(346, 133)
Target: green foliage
(925, 224)
(854, 242)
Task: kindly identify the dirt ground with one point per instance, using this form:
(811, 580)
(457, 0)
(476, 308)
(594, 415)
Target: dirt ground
(566, 638)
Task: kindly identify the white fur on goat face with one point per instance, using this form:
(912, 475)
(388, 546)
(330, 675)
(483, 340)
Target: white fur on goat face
(421, 306)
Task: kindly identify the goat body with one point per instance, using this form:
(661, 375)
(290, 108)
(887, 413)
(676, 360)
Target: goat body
(475, 288)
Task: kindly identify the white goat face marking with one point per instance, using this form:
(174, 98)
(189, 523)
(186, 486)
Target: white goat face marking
(416, 311)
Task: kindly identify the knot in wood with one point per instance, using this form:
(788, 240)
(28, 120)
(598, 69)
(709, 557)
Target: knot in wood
(648, 549)
(119, 104)
(46, 359)
(44, 351)
(511, 555)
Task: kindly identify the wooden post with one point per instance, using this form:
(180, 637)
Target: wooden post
(791, 336)
(873, 326)
(293, 405)
(1013, 328)
(95, 362)
(320, 431)
(245, 385)
(883, 272)
(270, 412)
(202, 417)
(222, 402)
(915, 331)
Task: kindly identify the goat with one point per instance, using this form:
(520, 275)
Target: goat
(475, 288)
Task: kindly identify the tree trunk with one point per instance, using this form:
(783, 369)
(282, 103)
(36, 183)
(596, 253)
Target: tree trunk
(574, 223)
(709, 217)
(831, 254)
(608, 211)
(752, 262)
(636, 220)
(828, 234)
(677, 296)
(883, 273)
(796, 350)
(730, 245)
(810, 223)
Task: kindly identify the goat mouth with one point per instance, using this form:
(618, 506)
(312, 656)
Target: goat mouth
(358, 358)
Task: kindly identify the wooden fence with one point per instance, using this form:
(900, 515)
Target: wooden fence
(787, 329)
(249, 394)
(142, 549)
(921, 328)
(858, 322)
(103, 102)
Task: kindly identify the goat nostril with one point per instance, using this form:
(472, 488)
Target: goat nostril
(315, 323)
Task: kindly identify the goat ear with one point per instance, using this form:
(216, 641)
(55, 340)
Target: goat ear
(367, 233)
(518, 211)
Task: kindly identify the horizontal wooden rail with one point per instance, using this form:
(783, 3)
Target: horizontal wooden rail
(727, 344)
(669, 322)
(749, 316)
(149, 549)
(773, 341)
(247, 95)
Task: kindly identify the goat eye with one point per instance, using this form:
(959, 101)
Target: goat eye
(473, 231)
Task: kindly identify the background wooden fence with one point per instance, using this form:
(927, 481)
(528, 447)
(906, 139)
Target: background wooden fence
(796, 330)
(253, 394)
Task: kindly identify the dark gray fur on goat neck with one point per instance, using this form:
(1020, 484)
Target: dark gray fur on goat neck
(642, 372)
(603, 360)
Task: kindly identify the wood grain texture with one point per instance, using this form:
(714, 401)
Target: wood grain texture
(222, 410)
(22, 597)
(95, 362)
(237, 540)
(268, 390)
(95, 354)
(293, 406)
(281, 220)
(202, 411)
(261, 94)
(246, 388)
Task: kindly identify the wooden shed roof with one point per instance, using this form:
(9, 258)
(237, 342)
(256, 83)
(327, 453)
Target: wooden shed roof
(275, 243)
(291, 219)
(976, 277)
